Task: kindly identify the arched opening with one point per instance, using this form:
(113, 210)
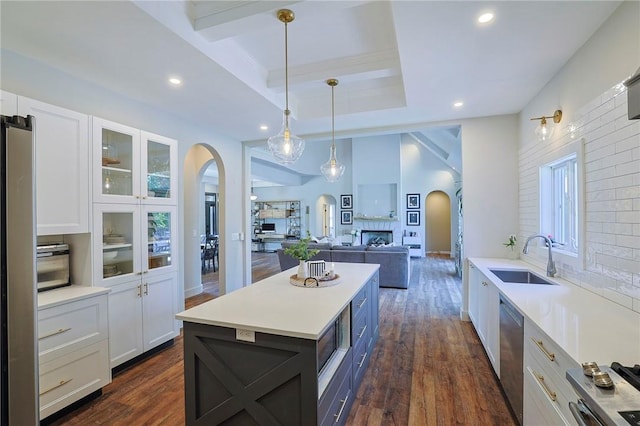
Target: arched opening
(203, 176)
(438, 222)
(325, 216)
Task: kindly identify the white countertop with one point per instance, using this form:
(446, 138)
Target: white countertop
(59, 296)
(275, 306)
(588, 327)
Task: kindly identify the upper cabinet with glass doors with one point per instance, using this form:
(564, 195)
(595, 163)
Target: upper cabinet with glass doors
(132, 166)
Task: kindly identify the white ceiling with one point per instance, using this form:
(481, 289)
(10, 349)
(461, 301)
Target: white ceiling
(401, 64)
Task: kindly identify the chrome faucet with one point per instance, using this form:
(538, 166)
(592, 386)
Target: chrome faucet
(551, 266)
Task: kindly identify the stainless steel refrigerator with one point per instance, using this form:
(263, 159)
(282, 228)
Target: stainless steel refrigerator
(18, 343)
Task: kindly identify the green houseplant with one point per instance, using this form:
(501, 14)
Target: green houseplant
(301, 252)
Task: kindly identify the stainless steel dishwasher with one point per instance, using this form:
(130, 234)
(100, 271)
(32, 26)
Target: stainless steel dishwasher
(511, 354)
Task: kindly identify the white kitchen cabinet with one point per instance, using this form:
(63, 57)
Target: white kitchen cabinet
(8, 103)
(73, 348)
(141, 316)
(133, 240)
(484, 305)
(547, 392)
(62, 167)
(134, 255)
(133, 166)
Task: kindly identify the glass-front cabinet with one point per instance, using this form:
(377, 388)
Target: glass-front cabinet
(132, 165)
(131, 241)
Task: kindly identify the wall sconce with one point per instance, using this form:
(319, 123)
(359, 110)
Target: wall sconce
(543, 131)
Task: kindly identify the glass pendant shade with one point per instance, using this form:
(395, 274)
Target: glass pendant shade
(544, 131)
(285, 147)
(332, 169)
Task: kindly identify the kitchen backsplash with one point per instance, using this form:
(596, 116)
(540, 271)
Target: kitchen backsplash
(611, 145)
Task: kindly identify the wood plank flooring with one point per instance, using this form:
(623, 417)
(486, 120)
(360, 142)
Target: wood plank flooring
(428, 367)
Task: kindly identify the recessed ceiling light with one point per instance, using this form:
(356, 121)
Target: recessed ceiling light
(458, 104)
(175, 81)
(486, 17)
(264, 127)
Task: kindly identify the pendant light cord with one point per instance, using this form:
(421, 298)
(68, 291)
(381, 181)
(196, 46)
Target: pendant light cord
(333, 119)
(286, 70)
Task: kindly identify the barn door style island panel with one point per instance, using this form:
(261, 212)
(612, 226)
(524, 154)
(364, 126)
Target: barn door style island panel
(277, 354)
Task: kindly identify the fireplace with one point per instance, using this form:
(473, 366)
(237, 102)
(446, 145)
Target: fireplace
(376, 237)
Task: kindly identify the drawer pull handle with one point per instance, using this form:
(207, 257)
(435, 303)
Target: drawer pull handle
(139, 290)
(362, 331)
(550, 355)
(552, 395)
(343, 403)
(361, 304)
(146, 289)
(361, 363)
(53, 333)
(60, 383)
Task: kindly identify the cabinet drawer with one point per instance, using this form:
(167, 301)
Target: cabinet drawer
(360, 329)
(338, 410)
(546, 352)
(550, 401)
(361, 356)
(65, 328)
(334, 384)
(538, 408)
(69, 378)
(360, 302)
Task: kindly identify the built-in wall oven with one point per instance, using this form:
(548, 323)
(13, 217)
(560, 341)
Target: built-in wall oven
(52, 265)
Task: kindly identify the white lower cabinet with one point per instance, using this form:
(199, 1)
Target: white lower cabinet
(484, 311)
(141, 316)
(73, 351)
(547, 392)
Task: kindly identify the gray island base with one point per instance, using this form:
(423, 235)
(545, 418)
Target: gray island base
(253, 357)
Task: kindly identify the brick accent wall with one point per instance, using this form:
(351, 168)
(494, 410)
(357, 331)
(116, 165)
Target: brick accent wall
(611, 145)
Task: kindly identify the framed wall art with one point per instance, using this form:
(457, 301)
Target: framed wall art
(413, 218)
(346, 201)
(346, 217)
(413, 201)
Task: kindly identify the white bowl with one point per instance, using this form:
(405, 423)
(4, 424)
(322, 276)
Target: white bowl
(109, 255)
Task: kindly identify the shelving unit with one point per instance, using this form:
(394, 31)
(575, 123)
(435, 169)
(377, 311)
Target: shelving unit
(284, 215)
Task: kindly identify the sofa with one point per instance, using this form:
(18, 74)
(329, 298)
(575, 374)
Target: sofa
(394, 261)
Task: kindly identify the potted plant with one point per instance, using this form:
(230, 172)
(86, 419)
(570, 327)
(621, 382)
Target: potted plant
(301, 251)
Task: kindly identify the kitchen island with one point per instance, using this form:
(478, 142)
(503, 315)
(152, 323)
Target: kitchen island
(275, 353)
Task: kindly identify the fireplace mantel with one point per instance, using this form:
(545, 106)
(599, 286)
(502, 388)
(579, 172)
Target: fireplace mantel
(377, 218)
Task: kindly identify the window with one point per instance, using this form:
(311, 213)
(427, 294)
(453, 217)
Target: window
(559, 212)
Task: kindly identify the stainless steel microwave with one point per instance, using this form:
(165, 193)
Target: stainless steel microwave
(52, 265)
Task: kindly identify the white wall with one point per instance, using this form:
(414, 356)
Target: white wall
(422, 173)
(587, 89)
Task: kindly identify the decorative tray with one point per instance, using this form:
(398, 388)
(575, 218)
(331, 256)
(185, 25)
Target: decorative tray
(312, 282)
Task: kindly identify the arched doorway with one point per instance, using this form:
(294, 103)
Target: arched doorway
(438, 222)
(325, 216)
(198, 159)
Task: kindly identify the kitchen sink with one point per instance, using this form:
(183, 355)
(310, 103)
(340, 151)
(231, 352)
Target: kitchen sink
(519, 276)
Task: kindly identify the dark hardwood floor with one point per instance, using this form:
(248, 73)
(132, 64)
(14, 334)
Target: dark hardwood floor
(428, 367)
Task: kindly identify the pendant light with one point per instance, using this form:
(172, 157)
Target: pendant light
(332, 169)
(285, 146)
